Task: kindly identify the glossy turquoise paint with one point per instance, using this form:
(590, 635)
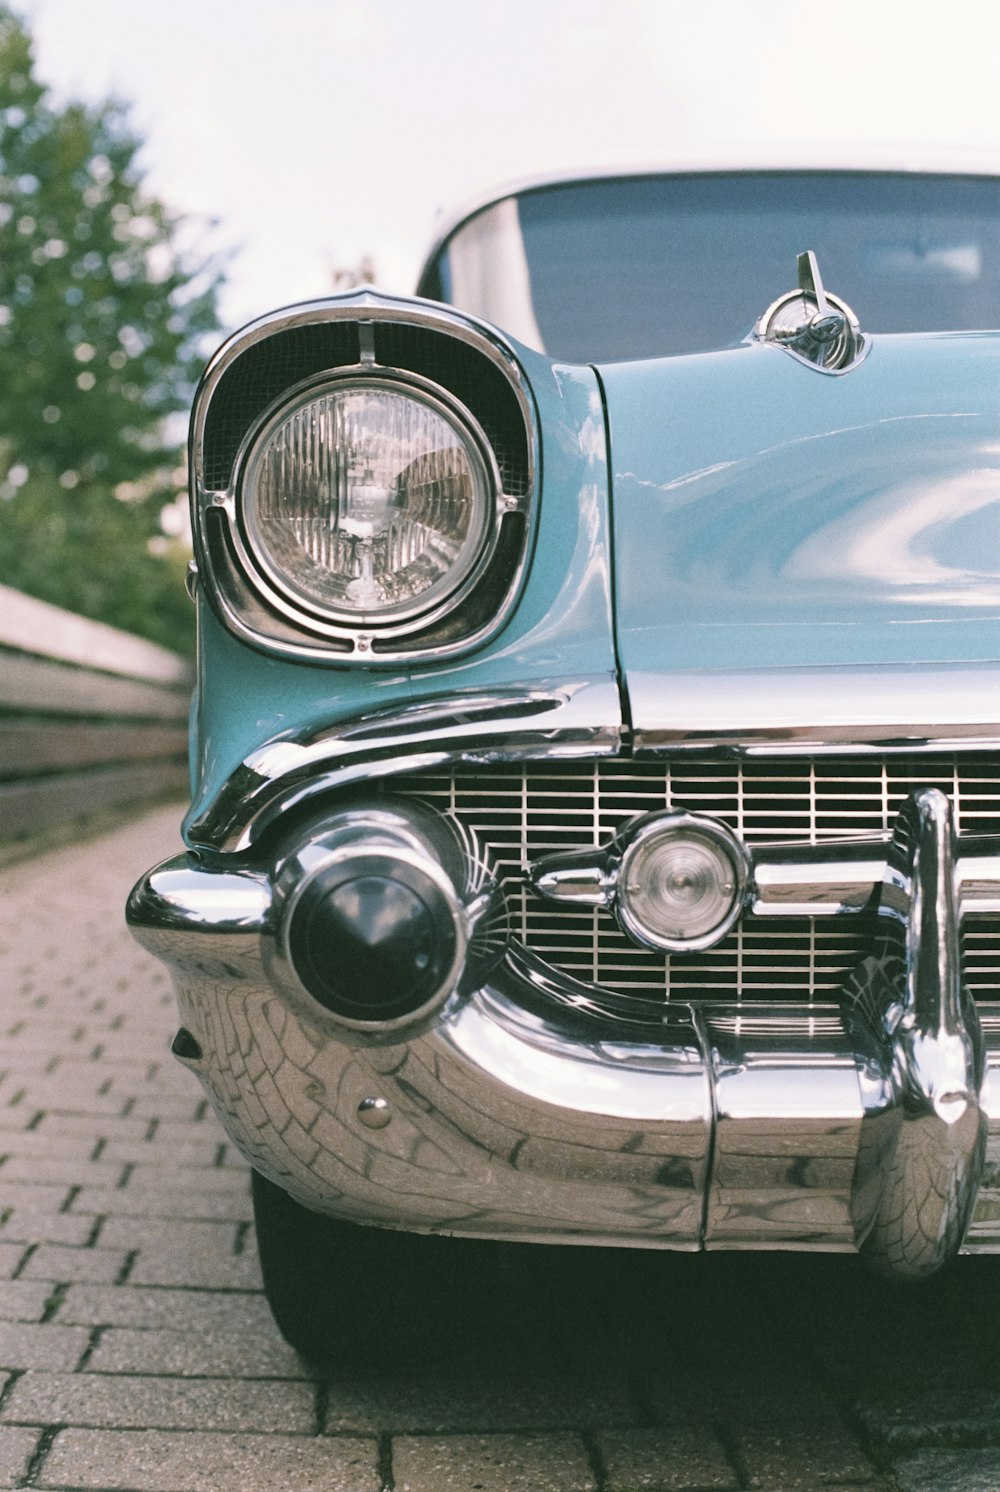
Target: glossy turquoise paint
(561, 629)
(767, 515)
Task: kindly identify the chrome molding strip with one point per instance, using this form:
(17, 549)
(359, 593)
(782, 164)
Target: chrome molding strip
(794, 880)
(788, 880)
(826, 880)
(808, 711)
(853, 159)
(577, 719)
(246, 603)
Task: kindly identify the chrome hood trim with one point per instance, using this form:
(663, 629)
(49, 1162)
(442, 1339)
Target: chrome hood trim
(805, 711)
(581, 719)
(817, 328)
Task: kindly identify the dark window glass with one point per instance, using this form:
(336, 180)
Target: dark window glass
(656, 265)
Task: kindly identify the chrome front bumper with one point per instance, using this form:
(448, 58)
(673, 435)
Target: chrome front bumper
(533, 1108)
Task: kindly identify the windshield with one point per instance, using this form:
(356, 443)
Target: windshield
(599, 271)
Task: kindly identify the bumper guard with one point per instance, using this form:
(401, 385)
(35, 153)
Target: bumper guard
(531, 1108)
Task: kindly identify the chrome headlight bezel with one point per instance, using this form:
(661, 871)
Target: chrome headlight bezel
(467, 366)
(282, 592)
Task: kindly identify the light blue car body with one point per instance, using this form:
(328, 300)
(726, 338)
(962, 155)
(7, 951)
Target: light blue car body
(643, 887)
(562, 627)
(706, 514)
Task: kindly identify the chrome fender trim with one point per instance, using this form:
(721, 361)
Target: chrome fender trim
(570, 718)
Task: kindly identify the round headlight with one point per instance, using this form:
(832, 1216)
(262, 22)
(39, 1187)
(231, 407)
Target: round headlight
(367, 500)
(681, 882)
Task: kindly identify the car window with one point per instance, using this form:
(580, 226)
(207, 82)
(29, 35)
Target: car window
(655, 265)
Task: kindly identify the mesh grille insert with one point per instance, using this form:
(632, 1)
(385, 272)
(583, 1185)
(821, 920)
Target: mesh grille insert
(474, 381)
(264, 370)
(259, 376)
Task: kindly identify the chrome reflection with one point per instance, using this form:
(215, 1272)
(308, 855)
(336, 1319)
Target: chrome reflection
(816, 328)
(923, 1139)
(837, 877)
(809, 711)
(677, 881)
(788, 1119)
(578, 719)
(537, 1107)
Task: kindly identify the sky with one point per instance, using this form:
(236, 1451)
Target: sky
(312, 133)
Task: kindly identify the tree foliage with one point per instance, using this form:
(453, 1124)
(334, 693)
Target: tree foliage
(101, 317)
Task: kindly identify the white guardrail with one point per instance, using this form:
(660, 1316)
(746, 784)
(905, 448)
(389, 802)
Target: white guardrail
(90, 717)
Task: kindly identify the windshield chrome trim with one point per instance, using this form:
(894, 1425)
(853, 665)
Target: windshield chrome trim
(860, 161)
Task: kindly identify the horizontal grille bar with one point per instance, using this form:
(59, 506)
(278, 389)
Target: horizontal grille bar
(522, 811)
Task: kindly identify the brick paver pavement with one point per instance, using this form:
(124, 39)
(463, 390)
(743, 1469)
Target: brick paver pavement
(137, 1354)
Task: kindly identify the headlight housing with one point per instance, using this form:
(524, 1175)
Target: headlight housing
(364, 479)
(368, 500)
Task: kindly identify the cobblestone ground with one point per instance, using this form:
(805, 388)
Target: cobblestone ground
(137, 1354)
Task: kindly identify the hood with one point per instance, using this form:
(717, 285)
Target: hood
(782, 533)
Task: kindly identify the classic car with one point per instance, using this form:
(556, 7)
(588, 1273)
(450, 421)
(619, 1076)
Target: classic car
(595, 832)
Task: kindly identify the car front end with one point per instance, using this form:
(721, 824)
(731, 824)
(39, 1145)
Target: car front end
(596, 805)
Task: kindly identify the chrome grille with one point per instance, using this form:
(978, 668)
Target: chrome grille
(525, 810)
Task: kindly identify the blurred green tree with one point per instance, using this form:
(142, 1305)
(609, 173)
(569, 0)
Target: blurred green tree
(102, 311)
